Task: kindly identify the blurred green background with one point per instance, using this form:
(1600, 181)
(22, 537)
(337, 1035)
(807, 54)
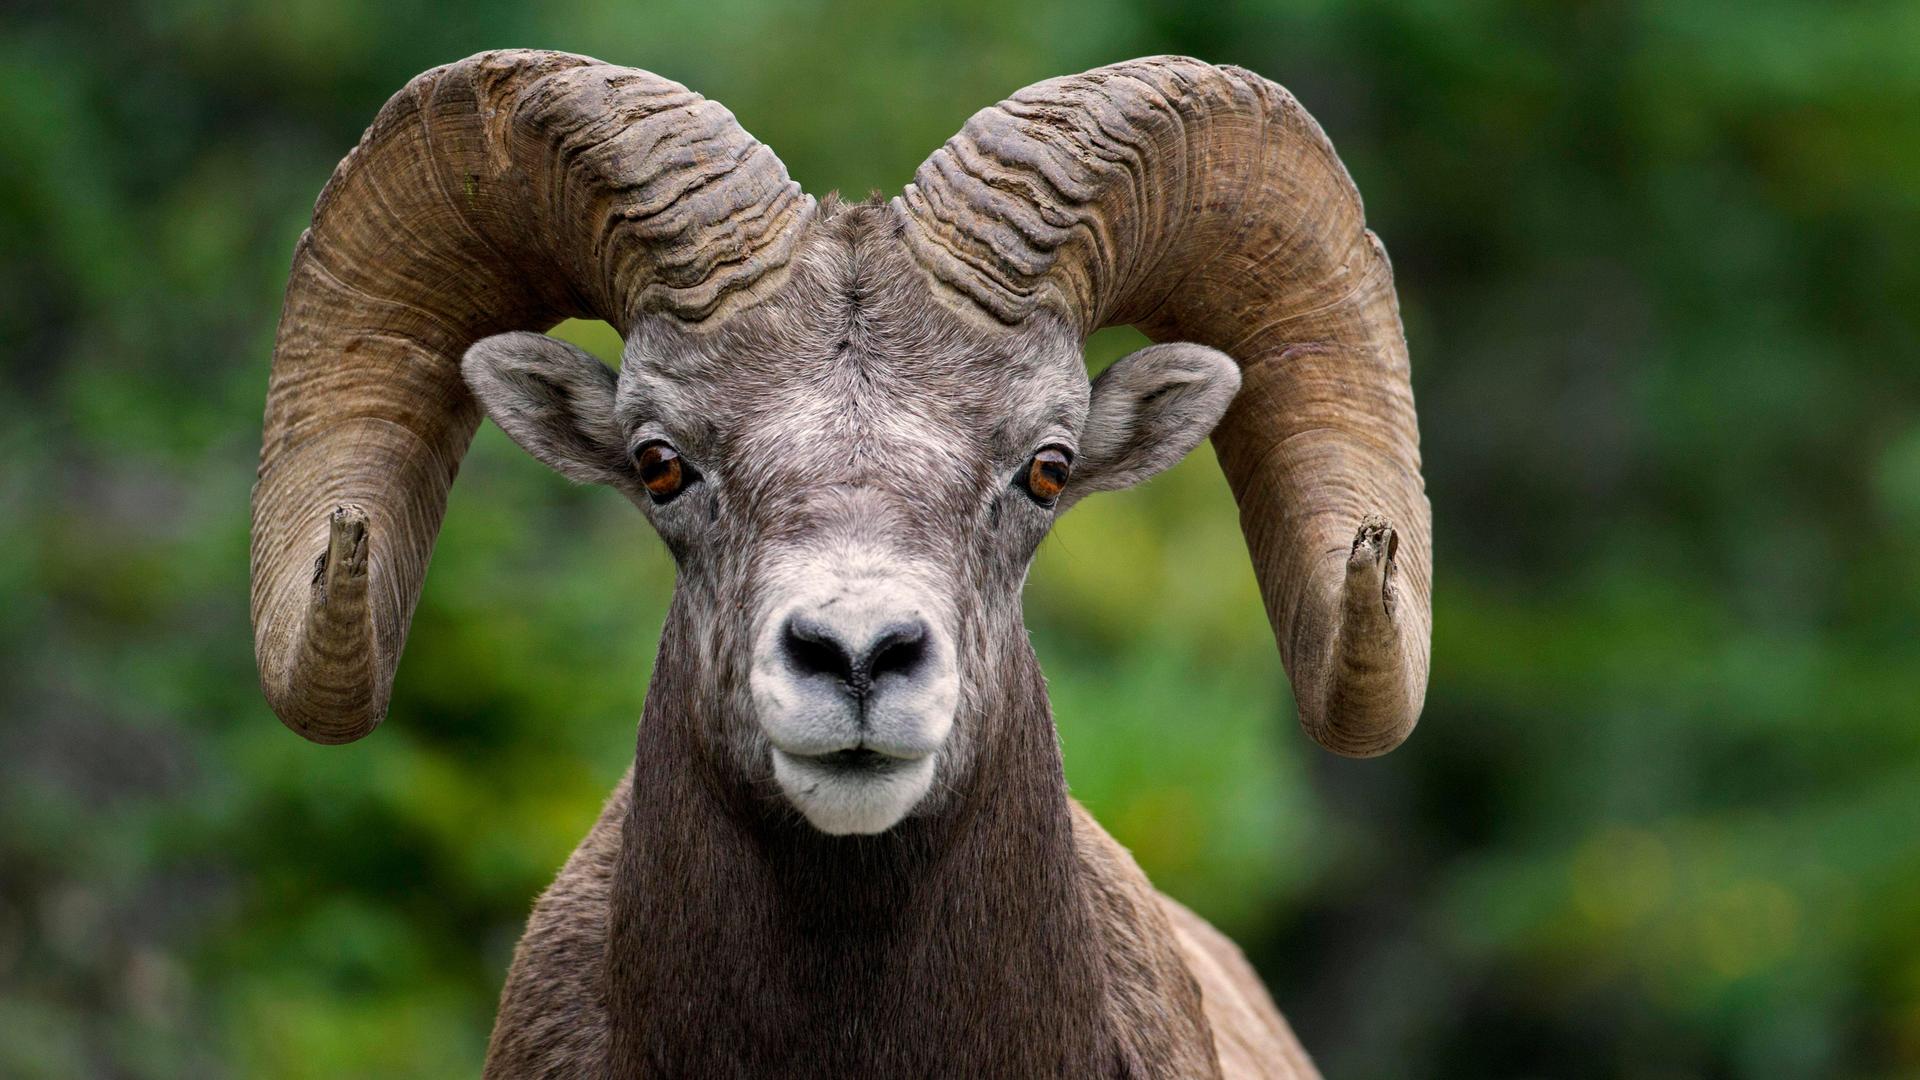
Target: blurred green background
(1658, 265)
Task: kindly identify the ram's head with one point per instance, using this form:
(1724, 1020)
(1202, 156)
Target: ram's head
(852, 425)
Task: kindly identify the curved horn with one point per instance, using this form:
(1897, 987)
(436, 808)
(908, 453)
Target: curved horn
(1203, 204)
(504, 192)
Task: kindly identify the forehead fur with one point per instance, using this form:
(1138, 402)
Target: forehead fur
(858, 340)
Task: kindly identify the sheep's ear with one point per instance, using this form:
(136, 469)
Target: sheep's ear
(1149, 410)
(555, 400)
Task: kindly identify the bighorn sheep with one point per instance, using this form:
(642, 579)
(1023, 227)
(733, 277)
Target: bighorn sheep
(845, 847)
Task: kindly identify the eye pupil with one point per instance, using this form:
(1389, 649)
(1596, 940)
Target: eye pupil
(1047, 475)
(661, 470)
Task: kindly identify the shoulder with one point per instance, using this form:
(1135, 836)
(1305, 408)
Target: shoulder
(1165, 959)
(553, 1019)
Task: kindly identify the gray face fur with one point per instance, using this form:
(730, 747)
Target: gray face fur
(852, 554)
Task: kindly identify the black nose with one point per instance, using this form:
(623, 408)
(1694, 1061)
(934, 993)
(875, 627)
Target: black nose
(816, 648)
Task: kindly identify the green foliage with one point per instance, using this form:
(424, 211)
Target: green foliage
(1657, 266)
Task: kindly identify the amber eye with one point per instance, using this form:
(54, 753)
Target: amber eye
(1046, 475)
(662, 469)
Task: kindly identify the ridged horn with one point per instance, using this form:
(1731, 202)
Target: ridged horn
(1203, 204)
(506, 191)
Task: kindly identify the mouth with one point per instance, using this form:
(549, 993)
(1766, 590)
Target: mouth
(856, 762)
(857, 790)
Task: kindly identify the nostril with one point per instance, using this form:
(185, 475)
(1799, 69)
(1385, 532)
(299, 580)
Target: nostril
(898, 651)
(812, 649)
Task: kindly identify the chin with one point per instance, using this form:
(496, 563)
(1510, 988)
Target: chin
(856, 798)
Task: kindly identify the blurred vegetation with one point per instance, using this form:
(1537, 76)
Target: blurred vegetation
(1661, 819)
